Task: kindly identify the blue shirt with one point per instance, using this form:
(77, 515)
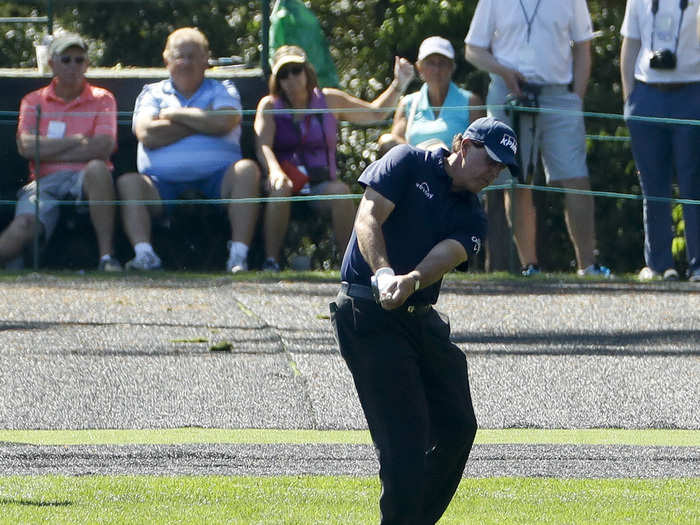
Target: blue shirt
(426, 212)
(453, 116)
(197, 156)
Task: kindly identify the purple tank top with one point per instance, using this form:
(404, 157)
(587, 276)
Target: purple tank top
(306, 142)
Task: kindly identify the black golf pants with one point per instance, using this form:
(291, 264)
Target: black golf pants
(413, 385)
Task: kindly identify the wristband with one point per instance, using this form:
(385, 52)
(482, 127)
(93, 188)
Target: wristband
(384, 270)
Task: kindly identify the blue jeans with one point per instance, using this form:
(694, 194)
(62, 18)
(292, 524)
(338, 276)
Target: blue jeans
(659, 150)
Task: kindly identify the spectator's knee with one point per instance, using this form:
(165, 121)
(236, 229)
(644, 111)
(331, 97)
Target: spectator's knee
(336, 187)
(96, 166)
(129, 186)
(24, 226)
(284, 191)
(248, 170)
(96, 172)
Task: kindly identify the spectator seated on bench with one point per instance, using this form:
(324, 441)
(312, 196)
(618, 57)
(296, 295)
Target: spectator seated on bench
(297, 148)
(185, 146)
(77, 127)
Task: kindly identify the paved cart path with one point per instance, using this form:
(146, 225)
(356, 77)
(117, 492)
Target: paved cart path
(135, 353)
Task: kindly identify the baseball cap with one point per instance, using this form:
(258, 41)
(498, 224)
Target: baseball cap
(499, 141)
(436, 44)
(287, 55)
(63, 42)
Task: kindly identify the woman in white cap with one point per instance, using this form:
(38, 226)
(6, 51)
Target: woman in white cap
(296, 148)
(431, 116)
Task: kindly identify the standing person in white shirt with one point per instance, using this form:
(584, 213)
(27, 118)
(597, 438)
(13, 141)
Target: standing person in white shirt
(660, 68)
(541, 49)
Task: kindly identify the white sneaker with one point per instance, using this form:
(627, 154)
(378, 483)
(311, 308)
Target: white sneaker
(144, 262)
(671, 275)
(236, 263)
(647, 274)
(694, 276)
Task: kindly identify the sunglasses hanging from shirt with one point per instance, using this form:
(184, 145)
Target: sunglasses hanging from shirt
(665, 58)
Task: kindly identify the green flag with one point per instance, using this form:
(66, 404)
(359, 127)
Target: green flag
(292, 23)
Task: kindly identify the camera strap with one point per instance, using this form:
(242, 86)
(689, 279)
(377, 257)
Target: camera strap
(529, 168)
(655, 9)
(530, 19)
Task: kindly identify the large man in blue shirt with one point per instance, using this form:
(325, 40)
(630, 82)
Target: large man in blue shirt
(418, 219)
(189, 130)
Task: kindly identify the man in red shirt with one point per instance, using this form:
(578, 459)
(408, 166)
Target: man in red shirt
(77, 127)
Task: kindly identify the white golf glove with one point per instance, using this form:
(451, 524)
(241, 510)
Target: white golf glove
(385, 278)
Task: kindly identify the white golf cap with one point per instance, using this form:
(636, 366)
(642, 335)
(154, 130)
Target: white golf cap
(436, 45)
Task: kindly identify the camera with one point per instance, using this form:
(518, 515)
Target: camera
(528, 99)
(663, 59)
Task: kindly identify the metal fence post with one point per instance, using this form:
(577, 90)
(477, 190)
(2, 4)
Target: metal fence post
(49, 16)
(265, 52)
(37, 167)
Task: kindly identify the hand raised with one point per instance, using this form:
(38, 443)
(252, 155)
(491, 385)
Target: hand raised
(403, 72)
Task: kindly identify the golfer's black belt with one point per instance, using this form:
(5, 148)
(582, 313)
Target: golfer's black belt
(360, 291)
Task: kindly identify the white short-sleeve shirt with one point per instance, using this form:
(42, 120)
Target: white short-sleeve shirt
(546, 58)
(639, 24)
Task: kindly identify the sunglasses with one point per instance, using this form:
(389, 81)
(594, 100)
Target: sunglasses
(65, 59)
(294, 70)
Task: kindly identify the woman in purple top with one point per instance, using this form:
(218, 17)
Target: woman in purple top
(298, 140)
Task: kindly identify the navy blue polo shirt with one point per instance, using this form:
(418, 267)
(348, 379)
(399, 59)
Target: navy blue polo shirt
(426, 212)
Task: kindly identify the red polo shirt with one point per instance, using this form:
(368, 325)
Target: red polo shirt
(93, 112)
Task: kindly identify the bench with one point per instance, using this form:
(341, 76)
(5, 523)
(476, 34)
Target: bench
(73, 245)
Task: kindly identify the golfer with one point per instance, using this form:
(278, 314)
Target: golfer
(418, 219)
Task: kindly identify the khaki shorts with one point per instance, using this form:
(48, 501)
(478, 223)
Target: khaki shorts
(52, 188)
(559, 137)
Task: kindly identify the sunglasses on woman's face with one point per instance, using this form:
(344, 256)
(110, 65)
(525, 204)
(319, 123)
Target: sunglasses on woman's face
(294, 70)
(66, 59)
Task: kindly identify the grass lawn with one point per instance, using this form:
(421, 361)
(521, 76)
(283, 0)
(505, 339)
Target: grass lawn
(325, 276)
(177, 436)
(336, 500)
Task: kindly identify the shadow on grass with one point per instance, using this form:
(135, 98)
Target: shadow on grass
(34, 503)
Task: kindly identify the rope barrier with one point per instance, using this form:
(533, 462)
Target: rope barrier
(245, 112)
(302, 198)
(354, 196)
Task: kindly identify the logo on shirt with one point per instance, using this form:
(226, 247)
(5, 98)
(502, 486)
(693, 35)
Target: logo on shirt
(423, 186)
(477, 244)
(509, 142)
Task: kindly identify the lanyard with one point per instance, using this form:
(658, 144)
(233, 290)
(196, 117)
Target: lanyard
(654, 9)
(531, 19)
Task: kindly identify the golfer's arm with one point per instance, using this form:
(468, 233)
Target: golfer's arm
(371, 214)
(444, 256)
